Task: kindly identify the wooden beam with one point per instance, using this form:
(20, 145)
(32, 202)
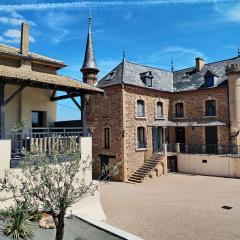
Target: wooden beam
(53, 94)
(76, 103)
(64, 96)
(14, 94)
(2, 110)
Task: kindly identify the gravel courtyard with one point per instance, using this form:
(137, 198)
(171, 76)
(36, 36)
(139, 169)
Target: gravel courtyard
(175, 207)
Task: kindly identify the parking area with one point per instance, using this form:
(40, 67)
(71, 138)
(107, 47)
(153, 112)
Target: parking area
(175, 207)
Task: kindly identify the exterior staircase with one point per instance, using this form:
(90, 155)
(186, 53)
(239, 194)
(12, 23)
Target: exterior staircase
(147, 168)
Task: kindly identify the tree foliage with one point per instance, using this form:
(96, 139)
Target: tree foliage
(52, 181)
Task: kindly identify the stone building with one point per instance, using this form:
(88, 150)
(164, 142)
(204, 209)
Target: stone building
(146, 110)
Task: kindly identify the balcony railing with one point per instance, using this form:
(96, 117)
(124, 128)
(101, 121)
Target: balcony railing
(44, 139)
(210, 149)
(227, 150)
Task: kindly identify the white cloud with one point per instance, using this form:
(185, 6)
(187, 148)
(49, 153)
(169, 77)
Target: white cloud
(13, 18)
(233, 14)
(127, 16)
(182, 57)
(13, 36)
(87, 4)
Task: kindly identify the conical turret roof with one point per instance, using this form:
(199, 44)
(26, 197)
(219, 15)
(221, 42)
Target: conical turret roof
(89, 59)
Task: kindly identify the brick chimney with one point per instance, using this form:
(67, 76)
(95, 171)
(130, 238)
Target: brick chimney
(25, 39)
(199, 64)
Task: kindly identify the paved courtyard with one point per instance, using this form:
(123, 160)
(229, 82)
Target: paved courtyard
(175, 207)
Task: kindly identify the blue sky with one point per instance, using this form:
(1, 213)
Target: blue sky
(152, 32)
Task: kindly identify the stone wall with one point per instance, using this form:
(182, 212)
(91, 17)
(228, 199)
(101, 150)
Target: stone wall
(135, 157)
(116, 109)
(194, 109)
(105, 110)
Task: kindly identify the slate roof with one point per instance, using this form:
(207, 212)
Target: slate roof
(15, 52)
(183, 80)
(127, 72)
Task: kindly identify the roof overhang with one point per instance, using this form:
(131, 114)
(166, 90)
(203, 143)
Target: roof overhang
(193, 123)
(27, 77)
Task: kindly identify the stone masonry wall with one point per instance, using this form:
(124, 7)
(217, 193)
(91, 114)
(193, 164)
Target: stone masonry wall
(135, 157)
(105, 110)
(194, 109)
(116, 109)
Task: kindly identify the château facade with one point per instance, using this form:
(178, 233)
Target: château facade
(145, 109)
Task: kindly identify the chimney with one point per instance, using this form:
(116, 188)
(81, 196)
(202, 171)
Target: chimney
(199, 64)
(25, 39)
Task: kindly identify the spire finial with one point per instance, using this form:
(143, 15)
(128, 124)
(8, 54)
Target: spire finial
(89, 19)
(172, 65)
(238, 51)
(124, 54)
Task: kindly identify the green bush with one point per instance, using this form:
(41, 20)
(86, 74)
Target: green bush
(17, 226)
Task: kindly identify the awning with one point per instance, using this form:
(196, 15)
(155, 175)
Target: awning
(194, 123)
(162, 123)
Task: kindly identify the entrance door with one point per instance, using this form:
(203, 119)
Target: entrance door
(211, 139)
(104, 167)
(157, 138)
(180, 137)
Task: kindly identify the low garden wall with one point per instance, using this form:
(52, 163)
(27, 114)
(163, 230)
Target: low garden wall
(90, 206)
(210, 165)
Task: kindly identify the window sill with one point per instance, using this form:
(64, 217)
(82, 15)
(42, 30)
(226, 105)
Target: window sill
(141, 149)
(210, 116)
(159, 118)
(179, 117)
(141, 118)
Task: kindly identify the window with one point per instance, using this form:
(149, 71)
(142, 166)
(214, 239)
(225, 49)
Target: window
(179, 110)
(210, 107)
(209, 81)
(147, 78)
(106, 138)
(37, 119)
(141, 137)
(159, 110)
(140, 108)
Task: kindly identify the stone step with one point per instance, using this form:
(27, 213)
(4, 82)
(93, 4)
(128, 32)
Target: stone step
(131, 179)
(138, 175)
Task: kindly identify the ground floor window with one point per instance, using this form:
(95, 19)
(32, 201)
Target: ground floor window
(106, 138)
(141, 143)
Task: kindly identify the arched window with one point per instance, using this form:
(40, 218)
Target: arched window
(179, 111)
(141, 143)
(140, 108)
(210, 107)
(159, 110)
(106, 136)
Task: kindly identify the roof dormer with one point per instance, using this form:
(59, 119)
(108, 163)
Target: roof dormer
(147, 78)
(210, 79)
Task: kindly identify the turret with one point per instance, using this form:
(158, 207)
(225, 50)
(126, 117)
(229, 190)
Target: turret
(233, 73)
(89, 67)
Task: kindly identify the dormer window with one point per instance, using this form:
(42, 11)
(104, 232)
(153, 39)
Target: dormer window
(110, 76)
(209, 79)
(147, 78)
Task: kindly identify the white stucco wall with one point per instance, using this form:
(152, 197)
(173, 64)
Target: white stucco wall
(90, 206)
(22, 105)
(222, 166)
